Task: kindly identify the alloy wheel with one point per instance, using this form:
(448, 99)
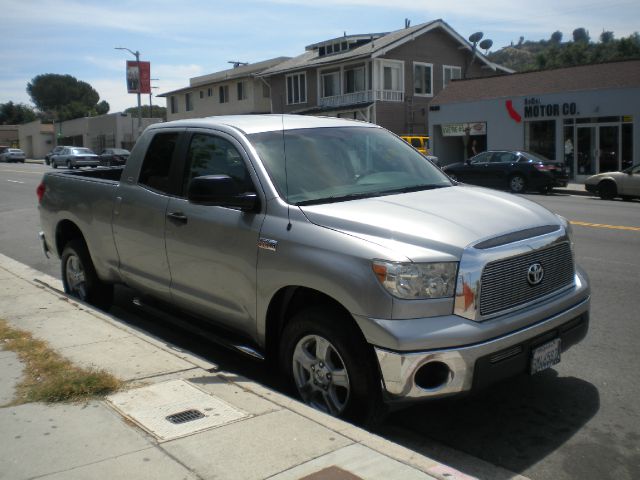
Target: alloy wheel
(320, 375)
(76, 278)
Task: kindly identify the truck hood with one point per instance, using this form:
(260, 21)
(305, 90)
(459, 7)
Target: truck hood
(444, 220)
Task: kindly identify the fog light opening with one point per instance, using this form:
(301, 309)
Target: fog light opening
(433, 375)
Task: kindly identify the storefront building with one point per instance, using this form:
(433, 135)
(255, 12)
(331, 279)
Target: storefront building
(586, 116)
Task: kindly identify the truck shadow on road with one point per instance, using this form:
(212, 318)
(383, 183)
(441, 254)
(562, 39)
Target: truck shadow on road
(514, 424)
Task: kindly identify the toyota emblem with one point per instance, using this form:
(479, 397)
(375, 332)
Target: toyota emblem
(535, 274)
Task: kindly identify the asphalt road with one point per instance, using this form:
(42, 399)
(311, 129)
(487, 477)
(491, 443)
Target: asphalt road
(578, 420)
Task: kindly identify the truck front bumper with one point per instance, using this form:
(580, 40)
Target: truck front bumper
(442, 372)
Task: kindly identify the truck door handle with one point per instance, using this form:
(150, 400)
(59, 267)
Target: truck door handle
(178, 217)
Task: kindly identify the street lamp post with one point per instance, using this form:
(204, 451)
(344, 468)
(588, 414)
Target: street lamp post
(137, 55)
(150, 100)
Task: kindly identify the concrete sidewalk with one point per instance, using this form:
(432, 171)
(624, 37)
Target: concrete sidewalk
(245, 431)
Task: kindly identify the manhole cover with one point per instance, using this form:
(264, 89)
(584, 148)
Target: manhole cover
(174, 409)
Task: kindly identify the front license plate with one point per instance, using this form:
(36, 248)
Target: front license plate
(545, 356)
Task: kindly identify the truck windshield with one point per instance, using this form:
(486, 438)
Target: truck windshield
(337, 164)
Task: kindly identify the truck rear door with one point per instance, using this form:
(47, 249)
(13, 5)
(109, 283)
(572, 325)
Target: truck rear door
(212, 250)
(140, 214)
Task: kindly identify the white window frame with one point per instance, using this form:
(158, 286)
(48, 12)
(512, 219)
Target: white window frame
(350, 68)
(391, 63)
(451, 68)
(330, 72)
(413, 88)
(296, 78)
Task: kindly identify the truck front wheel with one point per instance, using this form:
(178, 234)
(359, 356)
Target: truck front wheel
(80, 279)
(330, 365)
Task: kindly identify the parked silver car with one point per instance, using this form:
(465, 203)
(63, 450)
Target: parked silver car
(12, 155)
(608, 185)
(75, 157)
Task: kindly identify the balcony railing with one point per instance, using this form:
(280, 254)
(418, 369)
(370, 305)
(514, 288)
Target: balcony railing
(361, 97)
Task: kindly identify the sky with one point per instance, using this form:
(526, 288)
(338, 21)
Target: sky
(188, 38)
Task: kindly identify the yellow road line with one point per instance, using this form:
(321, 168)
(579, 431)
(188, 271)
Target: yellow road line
(601, 225)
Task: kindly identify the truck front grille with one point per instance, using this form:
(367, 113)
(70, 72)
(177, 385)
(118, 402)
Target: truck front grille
(504, 282)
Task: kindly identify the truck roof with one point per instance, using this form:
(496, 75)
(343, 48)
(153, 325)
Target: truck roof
(249, 124)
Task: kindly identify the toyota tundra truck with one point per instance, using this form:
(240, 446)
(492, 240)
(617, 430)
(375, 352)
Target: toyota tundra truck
(330, 246)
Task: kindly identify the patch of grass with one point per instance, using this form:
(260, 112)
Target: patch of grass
(49, 377)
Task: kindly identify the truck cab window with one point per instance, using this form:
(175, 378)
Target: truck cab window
(210, 155)
(157, 162)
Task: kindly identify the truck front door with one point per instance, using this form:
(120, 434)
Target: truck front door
(212, 250)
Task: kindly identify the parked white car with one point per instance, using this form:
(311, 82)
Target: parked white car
(608, 185)
(12, 155)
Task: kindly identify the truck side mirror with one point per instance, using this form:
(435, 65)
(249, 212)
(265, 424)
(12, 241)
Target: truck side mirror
(221, 191)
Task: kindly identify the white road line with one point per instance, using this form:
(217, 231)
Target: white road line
(14, 181)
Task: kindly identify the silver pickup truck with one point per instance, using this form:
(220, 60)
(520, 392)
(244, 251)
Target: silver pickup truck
(331, 246)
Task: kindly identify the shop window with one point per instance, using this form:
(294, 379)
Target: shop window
(569, 149)
(627, 145)
(540, 138)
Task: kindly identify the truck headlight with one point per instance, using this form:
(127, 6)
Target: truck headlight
(567, 227)
(416, 281)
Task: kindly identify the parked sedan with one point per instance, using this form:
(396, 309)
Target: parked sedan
(608, 185)
(55, 151)
(514, 170)
(75, 157)
(12, 155)
(114, 156)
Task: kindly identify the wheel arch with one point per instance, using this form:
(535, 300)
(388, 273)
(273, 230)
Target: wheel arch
(67, 230)
(286, 303)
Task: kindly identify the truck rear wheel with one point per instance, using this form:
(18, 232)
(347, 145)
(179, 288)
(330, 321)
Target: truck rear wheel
(80, 279)
(330, 365)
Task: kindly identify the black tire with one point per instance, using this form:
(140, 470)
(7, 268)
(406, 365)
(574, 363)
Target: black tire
(80, 279)
(607, 190)
(517, 183)
(361, 400)
(69, 166)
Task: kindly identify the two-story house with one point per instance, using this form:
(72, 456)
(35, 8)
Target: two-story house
(237, 90)
(384, 78)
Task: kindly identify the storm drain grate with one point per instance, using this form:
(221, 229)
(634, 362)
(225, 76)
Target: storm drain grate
(184, 417)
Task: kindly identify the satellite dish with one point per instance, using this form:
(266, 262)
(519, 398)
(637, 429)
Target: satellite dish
(476, 37)
(486, 44)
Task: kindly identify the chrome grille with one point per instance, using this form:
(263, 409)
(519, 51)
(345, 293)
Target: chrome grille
(504, 282)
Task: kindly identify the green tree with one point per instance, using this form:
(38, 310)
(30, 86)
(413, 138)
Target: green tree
(581, 35)
(606, 37)
(156, 112)
(16, 113)
(102, 107)
(64, 95)
(556, 37)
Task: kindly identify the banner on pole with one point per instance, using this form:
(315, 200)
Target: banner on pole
(138, 77)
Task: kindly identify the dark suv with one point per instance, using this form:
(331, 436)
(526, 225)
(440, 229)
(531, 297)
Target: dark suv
(514, 170)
